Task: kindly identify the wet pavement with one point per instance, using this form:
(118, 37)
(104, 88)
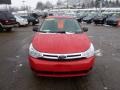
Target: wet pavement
(15, 73)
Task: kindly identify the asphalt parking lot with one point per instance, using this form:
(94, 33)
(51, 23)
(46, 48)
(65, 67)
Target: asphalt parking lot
(15, 73)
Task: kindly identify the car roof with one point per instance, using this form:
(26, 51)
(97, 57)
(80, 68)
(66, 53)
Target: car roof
(60, 17)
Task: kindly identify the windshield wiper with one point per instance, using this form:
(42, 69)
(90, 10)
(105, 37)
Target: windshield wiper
(77, 32)
(59, 31)
(43, 31)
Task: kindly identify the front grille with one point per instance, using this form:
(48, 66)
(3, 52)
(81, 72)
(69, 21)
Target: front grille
(62, 57)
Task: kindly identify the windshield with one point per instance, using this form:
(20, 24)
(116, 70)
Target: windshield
(24, 16)
(60, 25)
(18, 17)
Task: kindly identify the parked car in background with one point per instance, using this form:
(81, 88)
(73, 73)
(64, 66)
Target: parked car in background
(101, 18)
(45, 14)
(114, 20)
(21, 21)
(71, 14)
(80, 16)
(60, 48)
(89, 19)
(31, 20)
(7, 21)
(35, 15)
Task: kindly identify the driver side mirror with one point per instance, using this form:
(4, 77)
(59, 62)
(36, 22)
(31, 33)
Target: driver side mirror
(85, 29)
(35, 28)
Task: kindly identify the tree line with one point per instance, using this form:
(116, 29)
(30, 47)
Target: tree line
(105, 3)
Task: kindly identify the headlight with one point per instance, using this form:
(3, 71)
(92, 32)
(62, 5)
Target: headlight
(26, 20)
(36, 19)
(90, 52)
(34, 53)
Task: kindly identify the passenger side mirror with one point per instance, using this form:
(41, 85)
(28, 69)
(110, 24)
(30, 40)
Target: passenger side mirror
(85, 29)
(35, 28)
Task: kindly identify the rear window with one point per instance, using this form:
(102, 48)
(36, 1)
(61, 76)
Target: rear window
(67, 25)
(28, 17)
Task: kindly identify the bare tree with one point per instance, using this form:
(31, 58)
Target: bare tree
(117, 3)
(40, 6)
(83, 5)
(59, 2)
(92, 3)
(48, 5)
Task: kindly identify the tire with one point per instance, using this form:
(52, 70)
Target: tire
(89, 22)
(18, 24)
(9, 29)
(1, 28)
(33, 24)
(30, 23)
(95, 23)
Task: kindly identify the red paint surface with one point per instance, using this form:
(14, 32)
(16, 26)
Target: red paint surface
(61, 43)
(54, 66)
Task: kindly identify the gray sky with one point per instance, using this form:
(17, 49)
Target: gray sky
(32, 3)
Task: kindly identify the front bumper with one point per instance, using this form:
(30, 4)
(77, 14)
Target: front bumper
(8, 26)
(60, 68)
(87, 21)
(98, 21)
(24, 23)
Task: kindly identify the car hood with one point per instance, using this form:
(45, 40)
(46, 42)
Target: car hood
(61, 43)
(87, 18)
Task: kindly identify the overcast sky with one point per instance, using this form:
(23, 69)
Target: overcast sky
(32, 3)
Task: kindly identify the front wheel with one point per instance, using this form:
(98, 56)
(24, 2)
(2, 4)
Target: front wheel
(18, 24)
(33, 24)
(9, 29)
(30, 23)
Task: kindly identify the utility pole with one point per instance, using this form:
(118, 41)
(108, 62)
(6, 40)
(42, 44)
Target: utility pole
(67, 4)
(101, 5)
(79, 3)
(24, 3)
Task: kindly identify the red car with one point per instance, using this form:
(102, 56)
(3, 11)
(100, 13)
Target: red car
(61, 48)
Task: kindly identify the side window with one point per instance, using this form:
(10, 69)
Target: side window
(71, 25)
